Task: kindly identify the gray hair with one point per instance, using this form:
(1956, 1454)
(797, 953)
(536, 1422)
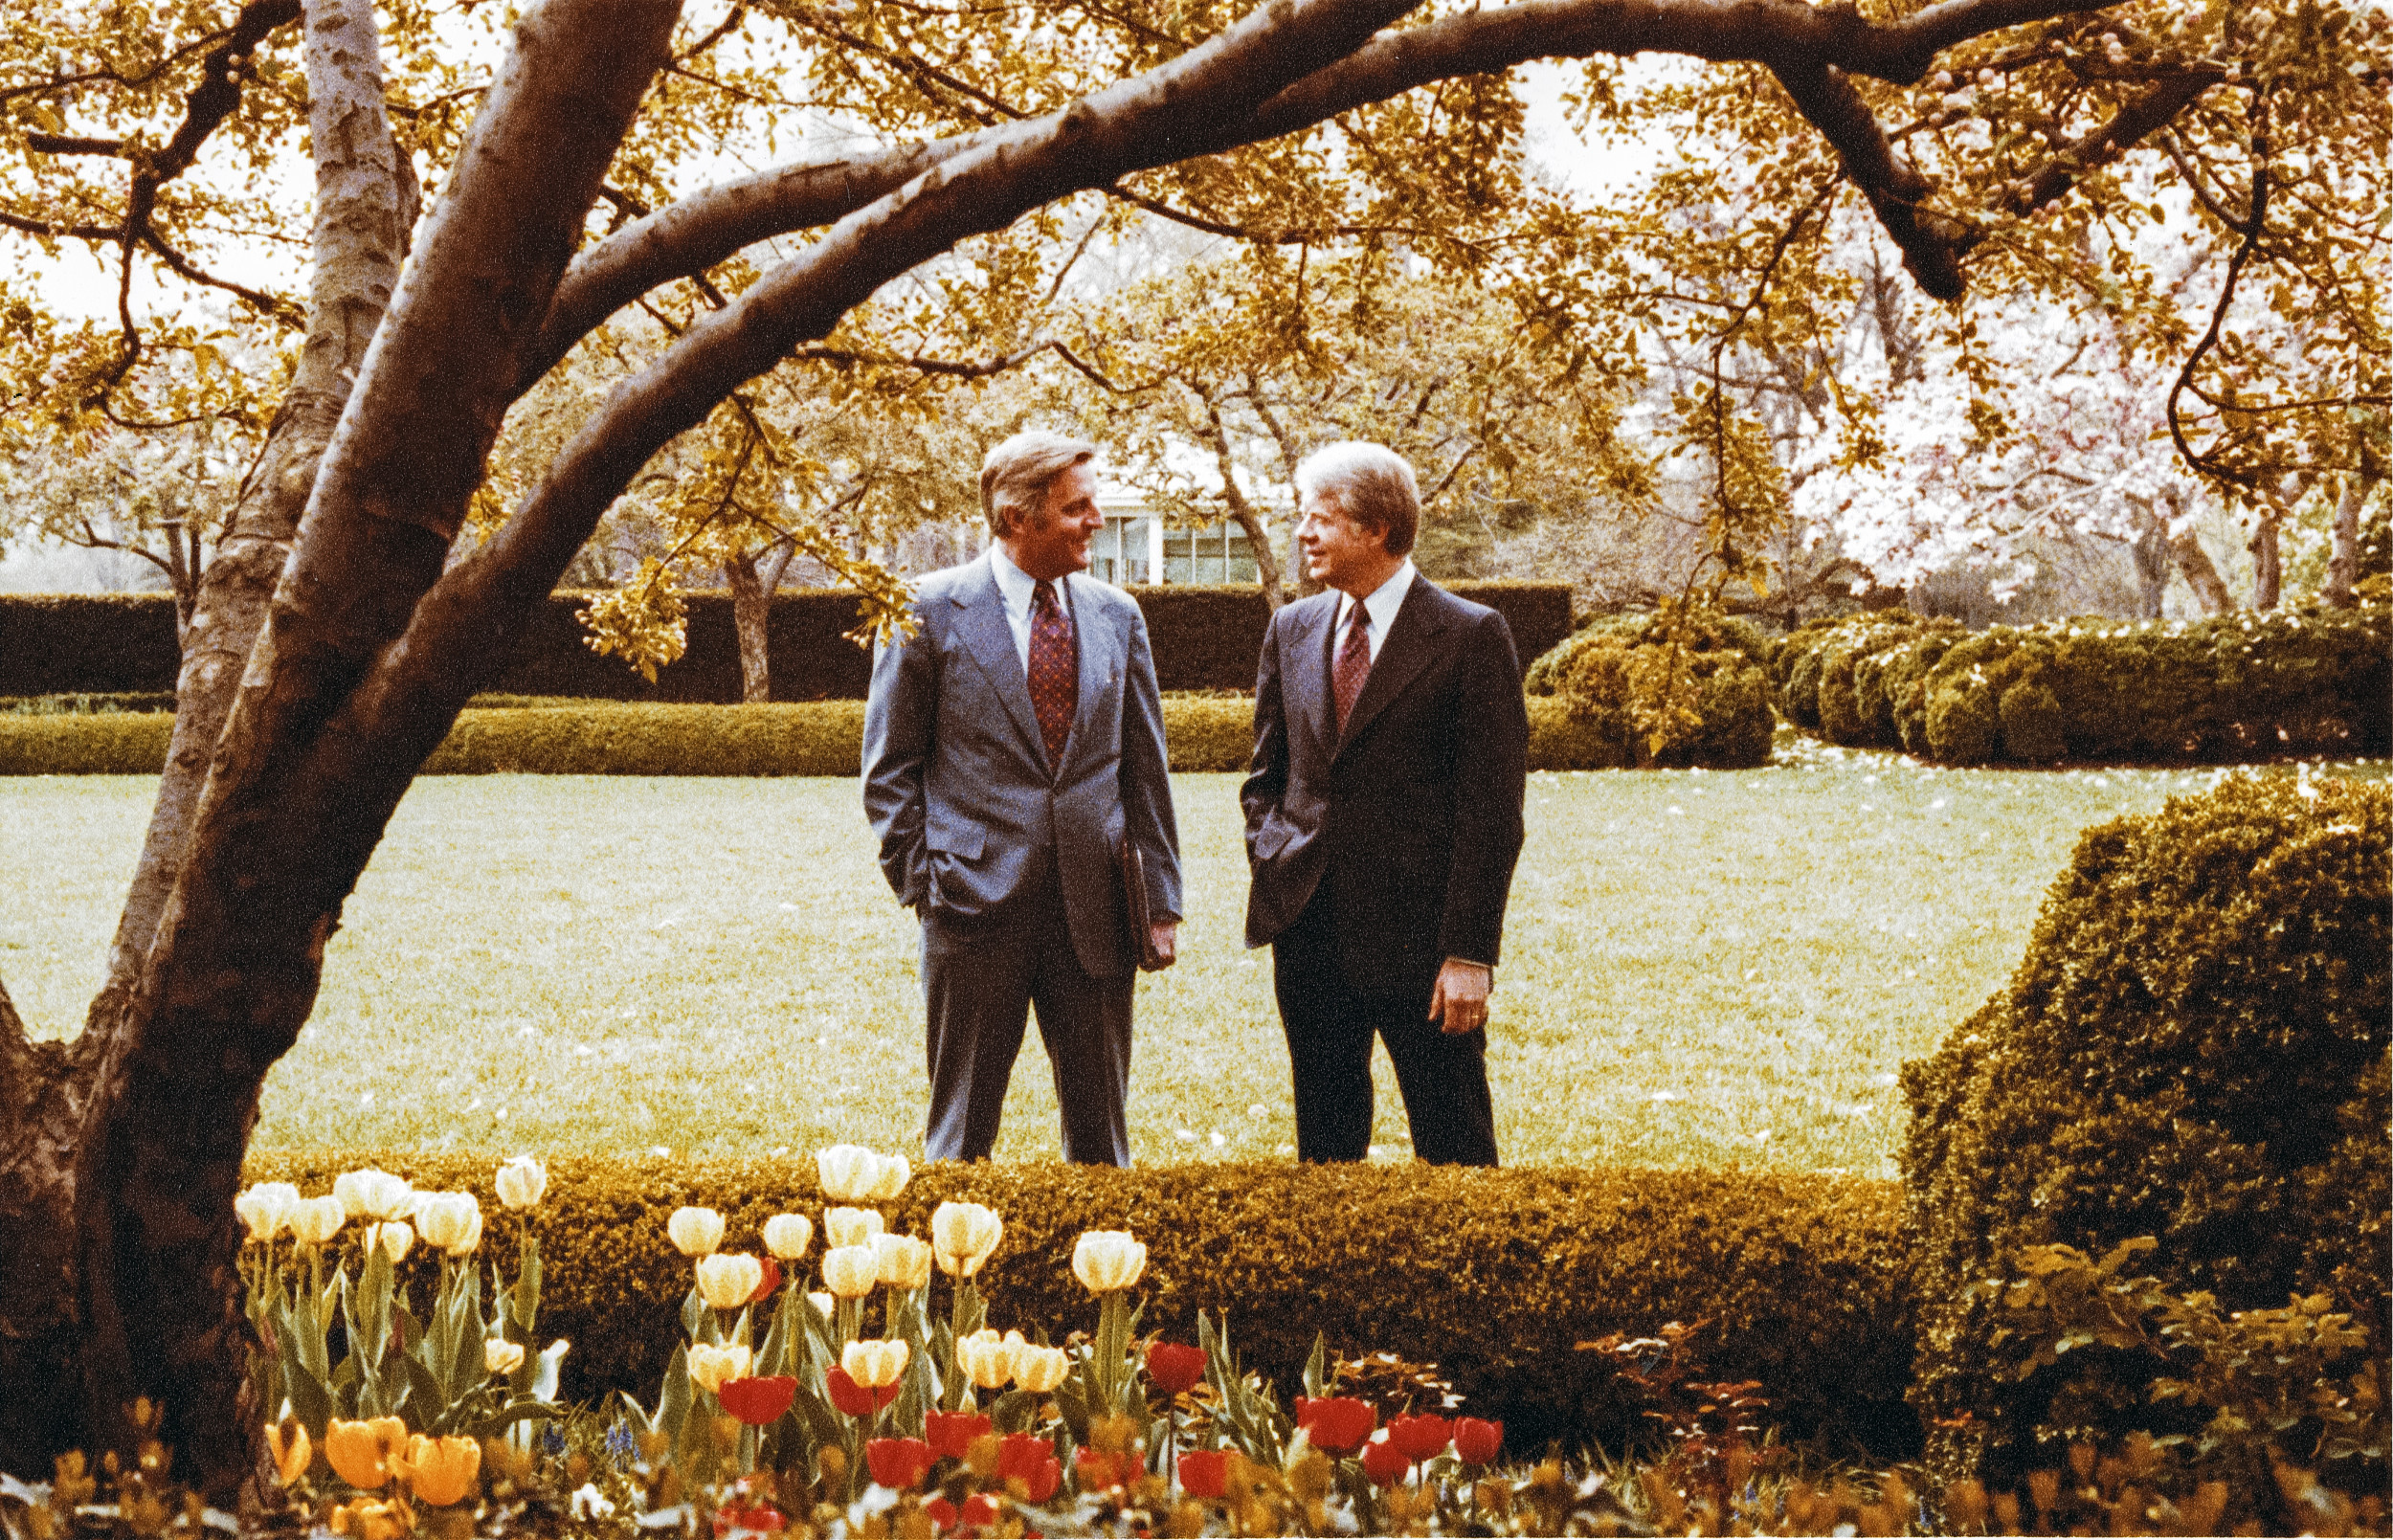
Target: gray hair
(1014, 477)
(1370, 484)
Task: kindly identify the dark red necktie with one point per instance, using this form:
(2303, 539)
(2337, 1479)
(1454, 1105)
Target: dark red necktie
(1054, 672)
(1354, 665)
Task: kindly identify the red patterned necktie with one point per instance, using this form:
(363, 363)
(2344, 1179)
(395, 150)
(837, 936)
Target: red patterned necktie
(1353, 664)
(1054, 672)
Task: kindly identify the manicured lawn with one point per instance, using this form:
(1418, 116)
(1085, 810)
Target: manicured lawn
(1700, 969)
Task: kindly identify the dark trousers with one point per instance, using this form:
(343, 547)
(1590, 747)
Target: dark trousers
(1329, 1025)
(981, 978)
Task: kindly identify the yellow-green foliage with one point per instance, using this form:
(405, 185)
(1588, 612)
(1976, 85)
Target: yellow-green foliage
(538, 736)
(2194, 1048)
(1495, 1275)
(2229, 689)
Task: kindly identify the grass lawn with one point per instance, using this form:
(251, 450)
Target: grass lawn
(1700, 969)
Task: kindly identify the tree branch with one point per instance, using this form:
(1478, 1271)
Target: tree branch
(1931, 245)
(2105, 144)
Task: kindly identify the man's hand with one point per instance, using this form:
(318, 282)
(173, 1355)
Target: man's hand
(1459, 1003)
(1164, 937)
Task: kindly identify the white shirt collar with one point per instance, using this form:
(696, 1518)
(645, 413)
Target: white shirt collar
(1018, 588)
(1382, 603)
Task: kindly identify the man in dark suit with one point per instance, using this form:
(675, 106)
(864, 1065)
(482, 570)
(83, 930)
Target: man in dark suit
(1383, 818)
(1009, 743)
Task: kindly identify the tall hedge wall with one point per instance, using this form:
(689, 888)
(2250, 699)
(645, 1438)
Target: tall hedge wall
(1495, 1275)
(1204, 637)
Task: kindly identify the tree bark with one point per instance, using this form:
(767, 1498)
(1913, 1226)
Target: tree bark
(2343, 566)
(1258, 533)
(2267, 562)
(753, 582)
(2199, 571)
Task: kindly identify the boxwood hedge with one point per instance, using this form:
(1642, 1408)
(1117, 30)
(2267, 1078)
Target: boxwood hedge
(616, 738)
(2194, 1047)
(1493, 1274)
(2230, 689)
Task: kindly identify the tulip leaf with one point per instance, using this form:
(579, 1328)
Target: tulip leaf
(427, 1404)
(526, 1410)
(697, 1319)
(311, 1401)
(673, 1401)
(1316, 1369)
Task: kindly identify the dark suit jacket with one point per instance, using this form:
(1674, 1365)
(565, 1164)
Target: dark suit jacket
(1413, 819)
(956, 779)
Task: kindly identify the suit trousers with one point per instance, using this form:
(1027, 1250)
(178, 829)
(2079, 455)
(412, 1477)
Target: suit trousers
(982, 976)
(1329, 1025)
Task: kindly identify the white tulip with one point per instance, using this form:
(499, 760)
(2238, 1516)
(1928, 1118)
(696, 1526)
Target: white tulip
(521, 1181)
(695, 1232)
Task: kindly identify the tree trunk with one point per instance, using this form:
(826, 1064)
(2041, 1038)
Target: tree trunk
(2200, 574)
(2150, 553)
(2267, 563)
(2343, 566)
(753, 583)
(1258, 533)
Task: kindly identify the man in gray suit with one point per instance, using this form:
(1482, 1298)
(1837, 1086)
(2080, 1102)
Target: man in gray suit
(1009, 746)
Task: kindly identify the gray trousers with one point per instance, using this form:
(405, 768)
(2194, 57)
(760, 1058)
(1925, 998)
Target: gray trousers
(982, 976)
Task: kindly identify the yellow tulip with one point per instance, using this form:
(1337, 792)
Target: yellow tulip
(728, 1280)
(439, 1471)
(890, 1174)
(695, 1232)
(852, 1227)
(372, 1521)
(394, 1236)
(374, 1194)
(358, 1451)
(1039, 1370)
(964, 1235)
(1106, 1260)
(986, 1359)
(711, 1367)
(265, 1209)
(874, 1364)
(521, 1181)
(316, 1220)
(904, 1262)
(500, 1357)
(848, 1172)
(852, 1271)
(452, 1221)
(287, 1441)
(787, 1236)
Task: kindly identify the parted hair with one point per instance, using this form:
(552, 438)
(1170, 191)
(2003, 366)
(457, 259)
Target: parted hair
(1370, 484)
(1015, 476)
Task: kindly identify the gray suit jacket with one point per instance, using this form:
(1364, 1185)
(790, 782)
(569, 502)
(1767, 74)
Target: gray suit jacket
(956, 779)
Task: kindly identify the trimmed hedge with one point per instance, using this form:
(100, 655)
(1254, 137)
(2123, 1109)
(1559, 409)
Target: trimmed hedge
(1203, 638)
(2226, 690)
(2195, 1047)
(612, 738)
(1495, 1275)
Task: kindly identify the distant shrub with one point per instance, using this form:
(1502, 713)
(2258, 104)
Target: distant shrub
(2194, 1048)
(2233, 688)
(1611, 675)
(1491, 1274)
(86, 705)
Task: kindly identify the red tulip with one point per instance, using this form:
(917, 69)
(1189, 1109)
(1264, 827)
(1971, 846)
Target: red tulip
(854, 1400)
(1205, 1472)
(1174, 1368)
(952, 1433)
(1478, 1441)
(980, 1510)
(757, 1401)
(1384, 1462)
(1337, 1425)
(1101, 1472)
(1030, 1460)
(898, 1464)
(766, 1285)
(1420, 1438)
(941, 1512)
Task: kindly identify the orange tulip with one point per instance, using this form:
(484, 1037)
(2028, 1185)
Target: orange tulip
(287, 1439)
(358, 1451)
(439, 1471)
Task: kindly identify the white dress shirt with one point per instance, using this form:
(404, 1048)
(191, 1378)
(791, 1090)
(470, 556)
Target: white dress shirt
(1381, 605)
(1019, 591)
